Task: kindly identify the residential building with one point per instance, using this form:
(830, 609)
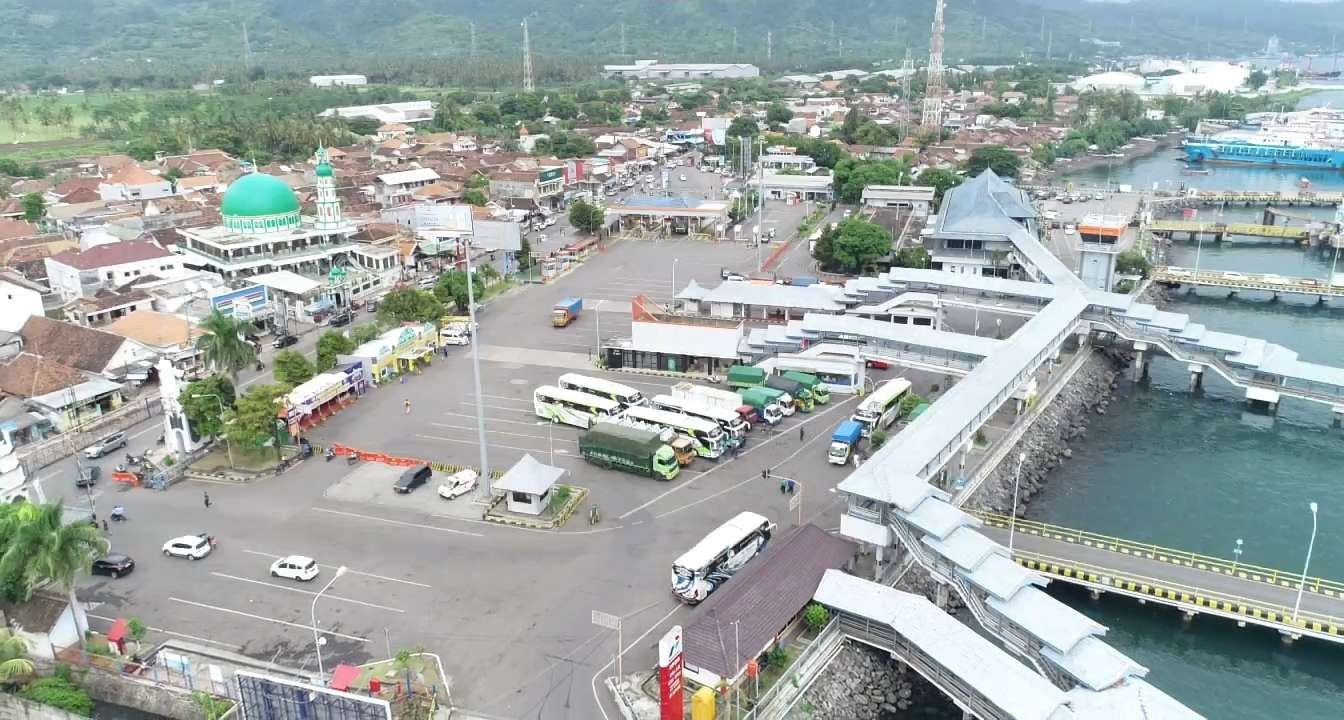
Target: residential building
(543, 186)
(915, 198)
(107, 305)
(337, 80)
(396, 188)
(975, 226)
(414, 111)
(654, 70)
(73, 275)
(388, 131)
(20, 299)
(165, 334)
(10, 229)
(84, 349)
(133, 182)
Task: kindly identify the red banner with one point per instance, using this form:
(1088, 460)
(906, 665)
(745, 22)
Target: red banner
(670, 666)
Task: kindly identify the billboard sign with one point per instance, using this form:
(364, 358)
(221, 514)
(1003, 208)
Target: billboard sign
(245, 304)
(670, 683)
(443, 218)
(262, 697)
(548, 176)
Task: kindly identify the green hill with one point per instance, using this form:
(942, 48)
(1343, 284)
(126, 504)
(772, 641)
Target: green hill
(78, 39)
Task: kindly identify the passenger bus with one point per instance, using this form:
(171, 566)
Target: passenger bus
(573, 408)
(623, 394)
(879, 410)
(729, 421)
(724, 551)
(710, 440)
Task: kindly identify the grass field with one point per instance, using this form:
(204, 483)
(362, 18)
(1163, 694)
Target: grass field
(81, 107)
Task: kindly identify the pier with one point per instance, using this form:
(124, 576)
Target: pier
(1221, 231)
(1235, 281)
(1230, 198)
(1193, 583)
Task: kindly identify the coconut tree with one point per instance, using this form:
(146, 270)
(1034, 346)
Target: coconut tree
(222, 346)
(14, 662)
(53, 550)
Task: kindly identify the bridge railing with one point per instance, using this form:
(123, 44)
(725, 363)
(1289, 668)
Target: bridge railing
(1209, 563)
(1181, 593)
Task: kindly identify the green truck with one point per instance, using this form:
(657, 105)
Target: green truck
(622, 447)
(819, 392)
(745, 376)
(765, 402)
(802, 397)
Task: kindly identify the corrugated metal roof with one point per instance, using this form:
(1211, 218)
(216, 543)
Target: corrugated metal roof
(1095, 664)
(1132, 700)
(1002, 578)
(1049, 620)
(822, 298)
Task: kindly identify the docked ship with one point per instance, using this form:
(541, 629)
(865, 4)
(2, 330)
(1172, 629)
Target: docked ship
(1302, 139)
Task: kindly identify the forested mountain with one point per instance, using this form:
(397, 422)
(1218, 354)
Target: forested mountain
(142, 40)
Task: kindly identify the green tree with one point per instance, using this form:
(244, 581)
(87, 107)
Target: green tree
(486, 114)
(331, 344)
(473, 196)
(50, 549)
(564, 108)
(743, 126)
(912, 257)
(254, 416)
(1257, 79)
(1132, 262)
(524, 254)
(1001, 160)
(849, 129)
(858, 244)
(223, 347)
(59, 692)
(452, 288)
(201, 407)
(292, 368)
(940, 180)
(815, 617)
(852, 176)
(359, 335)
(778, 114)
(362, 126)
(409, 305)
(34, 207)
(588, 217)
(14, 662)
(1043, 153)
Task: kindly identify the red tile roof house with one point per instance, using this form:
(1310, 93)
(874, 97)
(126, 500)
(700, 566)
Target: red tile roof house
(133, 182)
(74, 275)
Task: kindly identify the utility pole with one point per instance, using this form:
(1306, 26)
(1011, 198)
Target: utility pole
(484, 485)
(1049, 41)
(760, 217)
(1042, 28)
(907, 71)
(247, 49)
(734, 41)
(622, 39)
(831, 44)
(471, 27)
(983, 22)
(769, 46)
(528, 86)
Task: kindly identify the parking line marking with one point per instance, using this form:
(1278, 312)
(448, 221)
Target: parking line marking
(389, 521)
(501, 397)
(172, 632)
(493, 419)
(267, 619)
(473, 442)
(493, 407)
(349, 570)
(301, 591)
(501, 432)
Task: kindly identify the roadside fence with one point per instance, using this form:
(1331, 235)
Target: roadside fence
(36, 456)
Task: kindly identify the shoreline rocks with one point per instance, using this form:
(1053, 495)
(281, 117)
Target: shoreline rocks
(863, 683)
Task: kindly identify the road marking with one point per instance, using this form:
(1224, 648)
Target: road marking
(510, 399)
(469, 403)
(473, 442)
(263, 618)
(501, 432)
(748, 451)
(624, 650)
(173, 632)
(397, 522)
(495, 420)
(301, 591)
(349, 570)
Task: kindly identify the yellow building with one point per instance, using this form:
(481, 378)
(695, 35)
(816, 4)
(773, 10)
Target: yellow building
(399, 350)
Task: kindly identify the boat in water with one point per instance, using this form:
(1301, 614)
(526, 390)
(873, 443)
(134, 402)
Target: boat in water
(1303, 139)
(1196, 171)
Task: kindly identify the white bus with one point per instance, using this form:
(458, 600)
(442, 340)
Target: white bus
(710, 440)
(623, 394)
(729, 421)
(573, 408)
(879, 410)
(724, 551)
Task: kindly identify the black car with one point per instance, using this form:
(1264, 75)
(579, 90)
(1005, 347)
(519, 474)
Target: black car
(114, 565)
(88, 476)
(340, 319)
(412, 479)
(284, 341)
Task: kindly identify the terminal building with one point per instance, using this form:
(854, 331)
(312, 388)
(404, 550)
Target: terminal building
(816, 188)
(916, 199)
(975, 231)
(679, 215)
(654, 70)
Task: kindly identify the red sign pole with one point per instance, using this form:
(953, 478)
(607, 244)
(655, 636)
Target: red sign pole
(670, 685)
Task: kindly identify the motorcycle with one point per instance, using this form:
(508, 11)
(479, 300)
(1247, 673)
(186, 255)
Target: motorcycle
(260, 366)
(134, 460)
(330, 454)
(351, 459)
(118, 514)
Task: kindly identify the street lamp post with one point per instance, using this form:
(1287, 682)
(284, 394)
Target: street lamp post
(674, 284)
(1302, 584)
(228, 445)
(550, 437)
(1236, 554)
(317, 639)
(485, 491)
(597, 316)
(1012, 512)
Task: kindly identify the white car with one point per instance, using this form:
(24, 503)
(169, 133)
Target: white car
(1273, 279)
(1070, 229)
(459, 483)
(682, 177)
(192, 547)
(295, 567)
(541, 238)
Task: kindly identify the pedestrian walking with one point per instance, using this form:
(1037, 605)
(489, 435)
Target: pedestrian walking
(801, 433)
(207, 498)
(408, 406)
(105, 528)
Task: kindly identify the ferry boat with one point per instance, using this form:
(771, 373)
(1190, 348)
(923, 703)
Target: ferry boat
(1257, 151)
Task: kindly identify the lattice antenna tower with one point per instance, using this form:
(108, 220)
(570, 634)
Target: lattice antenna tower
(528, 85)
(933, 94)
(907, 71)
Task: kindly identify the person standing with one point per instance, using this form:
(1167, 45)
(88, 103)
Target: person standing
(801, 433)
(408, 406)
(207, 498)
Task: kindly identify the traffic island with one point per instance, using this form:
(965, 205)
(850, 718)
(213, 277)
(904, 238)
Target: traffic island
(529, 494)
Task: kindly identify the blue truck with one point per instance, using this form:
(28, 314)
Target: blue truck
(843, 441)
(566, 311)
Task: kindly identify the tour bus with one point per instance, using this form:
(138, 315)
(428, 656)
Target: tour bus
(724, 551)
(710, 440)
(728, 420)
(573, 408)
(878, 410)
(623, 394)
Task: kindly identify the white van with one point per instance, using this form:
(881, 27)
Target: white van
(454, 334)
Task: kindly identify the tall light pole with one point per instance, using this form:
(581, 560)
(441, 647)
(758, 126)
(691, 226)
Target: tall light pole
(597, 315)
(317, 639)
(1236, 554)
(760, 216)
(550, 437)
(228, 445)
(485, 491)
(674, 283)
(1012, 513)
(1301, 585)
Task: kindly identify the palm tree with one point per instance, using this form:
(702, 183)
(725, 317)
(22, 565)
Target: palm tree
(223, 346)
(997, 258)
(14, 662)
(53, 550)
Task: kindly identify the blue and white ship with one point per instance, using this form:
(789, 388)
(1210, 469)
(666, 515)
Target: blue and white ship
(1303, 139)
